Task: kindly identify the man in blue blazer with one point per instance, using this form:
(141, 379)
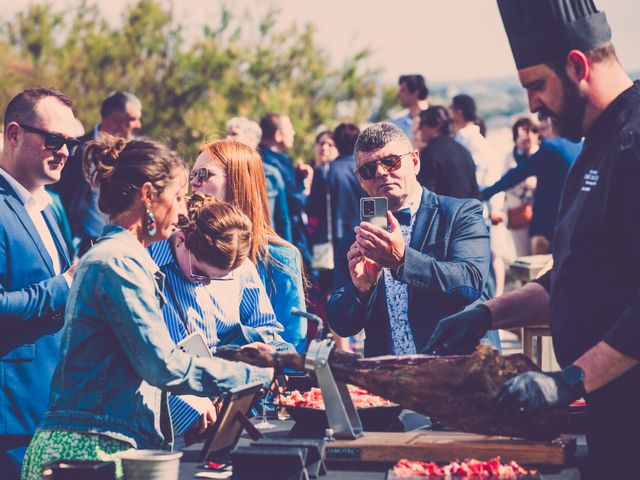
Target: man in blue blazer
(432, 261)
(34, 264)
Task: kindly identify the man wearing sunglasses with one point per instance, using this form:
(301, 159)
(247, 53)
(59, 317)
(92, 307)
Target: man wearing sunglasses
(432, 261)
(121, 114)
(34, 263)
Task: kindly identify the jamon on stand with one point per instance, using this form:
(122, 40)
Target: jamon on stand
(456, 391)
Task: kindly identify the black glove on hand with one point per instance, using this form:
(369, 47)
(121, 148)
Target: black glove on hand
(459, 333)
(532, 392)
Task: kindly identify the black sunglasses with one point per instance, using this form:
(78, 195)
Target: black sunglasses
(203, 174)
(390, 163)
(54, 141)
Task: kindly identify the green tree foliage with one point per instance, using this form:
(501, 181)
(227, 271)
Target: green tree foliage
(242, 64)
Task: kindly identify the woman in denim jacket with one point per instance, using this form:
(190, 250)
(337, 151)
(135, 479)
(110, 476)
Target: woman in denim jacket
(109, 390)
(232, 171)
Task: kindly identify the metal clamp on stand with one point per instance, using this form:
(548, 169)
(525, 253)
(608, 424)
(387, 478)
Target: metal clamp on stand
(341, 413)
(342, 416)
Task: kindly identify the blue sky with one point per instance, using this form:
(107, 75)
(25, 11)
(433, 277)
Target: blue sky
(446, 40)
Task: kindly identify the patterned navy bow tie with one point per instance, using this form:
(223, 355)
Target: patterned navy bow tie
(403, 216)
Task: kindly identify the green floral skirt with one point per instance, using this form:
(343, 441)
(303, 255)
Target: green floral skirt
(51, 445)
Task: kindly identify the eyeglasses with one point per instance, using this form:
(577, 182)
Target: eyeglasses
(54, 141)
(205, 278)
(390, 163)
(203, 174)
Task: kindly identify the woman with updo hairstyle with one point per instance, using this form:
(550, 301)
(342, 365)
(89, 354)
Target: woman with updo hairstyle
(232, 172)
(118, 361)
(214, 291)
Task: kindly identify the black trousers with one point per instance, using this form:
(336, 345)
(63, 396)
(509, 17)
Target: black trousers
(613, 439)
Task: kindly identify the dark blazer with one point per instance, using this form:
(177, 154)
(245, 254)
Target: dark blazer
(447, 168)
(32, 300)
(296, 198)
(345, 191)
(446, 267)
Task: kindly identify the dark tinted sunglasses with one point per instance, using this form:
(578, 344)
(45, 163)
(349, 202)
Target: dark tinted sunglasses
(54, 141)
(203, 174)
(390, 163)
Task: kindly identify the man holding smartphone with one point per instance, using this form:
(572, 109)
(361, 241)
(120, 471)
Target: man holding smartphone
(432, 261)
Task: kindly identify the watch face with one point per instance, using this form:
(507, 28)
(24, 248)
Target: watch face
(573, 375)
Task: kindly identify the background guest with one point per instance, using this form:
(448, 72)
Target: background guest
(246, 131)
(335, 201)
(412, 95)
(550, 164)
(446, 167)
(121, 116)
(518, 202)
(324, 149)
(470, 132)
(277, 138)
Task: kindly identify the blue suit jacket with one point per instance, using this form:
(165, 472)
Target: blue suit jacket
(446, 267)
(32, 301)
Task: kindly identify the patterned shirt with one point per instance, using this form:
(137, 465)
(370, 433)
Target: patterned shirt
(397, 293)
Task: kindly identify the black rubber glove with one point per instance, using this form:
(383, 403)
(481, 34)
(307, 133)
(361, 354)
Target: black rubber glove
(460, 333)
(533, 392)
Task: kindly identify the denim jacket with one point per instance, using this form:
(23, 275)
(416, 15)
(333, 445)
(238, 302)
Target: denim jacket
(118, 360)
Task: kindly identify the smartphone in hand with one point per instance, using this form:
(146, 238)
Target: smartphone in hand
(374, 210)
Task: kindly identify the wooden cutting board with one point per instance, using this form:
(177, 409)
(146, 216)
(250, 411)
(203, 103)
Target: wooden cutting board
(448, 446)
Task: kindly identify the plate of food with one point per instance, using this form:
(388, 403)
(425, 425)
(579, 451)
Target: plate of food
(470, 469)
(377, 414)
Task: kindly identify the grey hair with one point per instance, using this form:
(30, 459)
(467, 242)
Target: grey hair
(377, 136)
(250, 131)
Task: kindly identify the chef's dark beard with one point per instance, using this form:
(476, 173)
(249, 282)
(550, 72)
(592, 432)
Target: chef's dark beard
(569, 118)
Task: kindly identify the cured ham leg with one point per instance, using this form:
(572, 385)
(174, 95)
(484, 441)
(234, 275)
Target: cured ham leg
(456, 391)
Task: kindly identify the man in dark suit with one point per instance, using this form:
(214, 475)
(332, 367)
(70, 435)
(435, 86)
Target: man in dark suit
(34, 264)
(446, 167)
(277, 138)
(433, 261)
(120, 115)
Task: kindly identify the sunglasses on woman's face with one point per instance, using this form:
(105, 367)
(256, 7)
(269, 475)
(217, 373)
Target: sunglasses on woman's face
(203, 174)
(390, 163)
(54, 141)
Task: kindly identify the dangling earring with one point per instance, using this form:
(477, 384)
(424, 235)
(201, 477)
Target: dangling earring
(151, 223)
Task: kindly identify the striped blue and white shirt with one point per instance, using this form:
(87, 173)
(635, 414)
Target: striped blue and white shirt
(214, 310)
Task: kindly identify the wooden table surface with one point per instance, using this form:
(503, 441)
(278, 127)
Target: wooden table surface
(358, 470)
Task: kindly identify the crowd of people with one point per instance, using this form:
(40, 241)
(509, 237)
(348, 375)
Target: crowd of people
(116, 253)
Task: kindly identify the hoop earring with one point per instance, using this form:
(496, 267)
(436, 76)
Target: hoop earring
(151, 223)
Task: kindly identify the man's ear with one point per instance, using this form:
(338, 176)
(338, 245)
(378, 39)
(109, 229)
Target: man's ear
(415, 156)
(12, 133)
(277, 136)
(578, 65)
